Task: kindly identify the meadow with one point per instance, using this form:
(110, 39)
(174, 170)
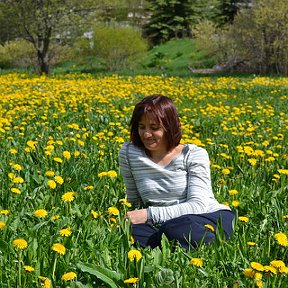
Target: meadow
(62, 199)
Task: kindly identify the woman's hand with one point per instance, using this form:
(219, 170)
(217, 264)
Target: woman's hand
(138, 216)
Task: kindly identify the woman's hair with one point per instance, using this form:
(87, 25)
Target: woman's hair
(163, 110)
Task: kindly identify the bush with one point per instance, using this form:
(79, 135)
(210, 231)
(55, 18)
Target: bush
(118, 48)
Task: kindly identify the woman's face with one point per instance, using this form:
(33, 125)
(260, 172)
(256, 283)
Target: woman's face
(151, 134)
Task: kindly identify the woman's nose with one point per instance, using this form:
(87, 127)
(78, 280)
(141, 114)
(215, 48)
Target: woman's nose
(147, 133)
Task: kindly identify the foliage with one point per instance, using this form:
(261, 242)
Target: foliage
(59, 181)
(118, 47)
(258, 38)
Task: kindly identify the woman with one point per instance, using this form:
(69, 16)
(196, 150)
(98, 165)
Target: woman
(171, 180)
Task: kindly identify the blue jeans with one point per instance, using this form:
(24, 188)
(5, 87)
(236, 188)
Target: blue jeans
(187, 230)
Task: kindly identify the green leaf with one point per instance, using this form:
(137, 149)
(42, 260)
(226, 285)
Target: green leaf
(106, 275)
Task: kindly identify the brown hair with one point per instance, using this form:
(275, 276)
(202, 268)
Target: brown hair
(165, 113)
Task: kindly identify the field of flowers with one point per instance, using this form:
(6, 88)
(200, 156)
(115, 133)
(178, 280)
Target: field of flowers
(62, 199)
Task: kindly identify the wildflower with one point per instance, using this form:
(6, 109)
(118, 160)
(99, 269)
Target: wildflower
(89, 187)
(225, 171)
(235, 203)
(283, 270)
(281, 239)
(51, 184)
(31, 144)
(17, 167)
(102, 174)
(18, 180)
(59, 248)
(76, 153)
(198, 262)
(55, 217)
(58, 159)
(132, 241)
(50, 173)
(11, 175)
(59, 180)
(249, 272)
(125, 202)
(68, 196)
(232, 192)
(66, 154)
(250, 243)
(283, 171)
(68, 276)
(95, 214)
(252, 161)
(4, 212)
(113, 210)
(66, 232)
(28, 268)
(15, 190)
(13, 151)
(40, 213)
(133, 280)
(209, 227)
(134, 254)
(46, 282)
(243, 219)
(257, 266)
(112, 174)
(2, 224)
(277, 263)
(270, 269)
(259, 283)
(20, 243)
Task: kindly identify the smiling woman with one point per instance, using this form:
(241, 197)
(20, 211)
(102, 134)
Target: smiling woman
(171, 179)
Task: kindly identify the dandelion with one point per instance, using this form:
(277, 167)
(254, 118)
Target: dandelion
(68, 276)
(102, 174)
(16, 190)
(132, 280)
(243, 219)
(95, 214)
(281, 239)
(17, 167)
(250, 243)
(20, 243)
(225, 171)
(134, 254)
(277, 263)
(4, 212)
(11, 175)
(209, 227)
(18, 180)
(112, 174)
(2, 224)
(249, 272)
(66, 232)
(76, 153)
(235, 203)
(283, 270)
(40, 213)
(113, 211)
(125, 202)
(58, 159)
(89, 187)
(59, 248)
(13, 151)
(50, 173)
(198, 262)
(46, 282)
(66, 154)
(52, 184)
(59, 180)
(68, 196)
(257, 266)
(233, 192)
(28, 268)
(259, 283)
(270, 269)
(283, 171)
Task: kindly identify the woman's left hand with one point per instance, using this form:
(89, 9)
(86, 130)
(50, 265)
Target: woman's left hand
(138, 216)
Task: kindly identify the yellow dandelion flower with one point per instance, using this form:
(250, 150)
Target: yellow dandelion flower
(283, 171)
(13, 151)
(59, 248)
(102, 174)
(18, 180)
(50, 173)
(17, 167)
(65, 232)
(28, 268)
(112, 174)
(2, 224)
(68, 196)
(58, 159)
(16, 190)
(233, 192)
(198, 262)
(258, 276)
(52, 184)
(252, 161)
(270, 269)
(11, 175)
(31, 144)
(225, 171)
(66, 154)
(134, 254)
(257, 266)
(113, 211)
(132, 280)
(243, 219)
(40, 213)
(55, 217)
(20, 243)
(125, 202)
(95, 214)
(68, 276)
(249, 272)
(283, 270)
(76, 153)
(250, 243)
(259, 283)
(89, 187)
(46, 282)
(235, 203)
(281, 239)
(277, 263)
(59, 180)
(209, 227)
(4, 212)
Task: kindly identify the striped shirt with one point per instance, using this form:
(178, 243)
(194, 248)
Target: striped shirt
(182, 187)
